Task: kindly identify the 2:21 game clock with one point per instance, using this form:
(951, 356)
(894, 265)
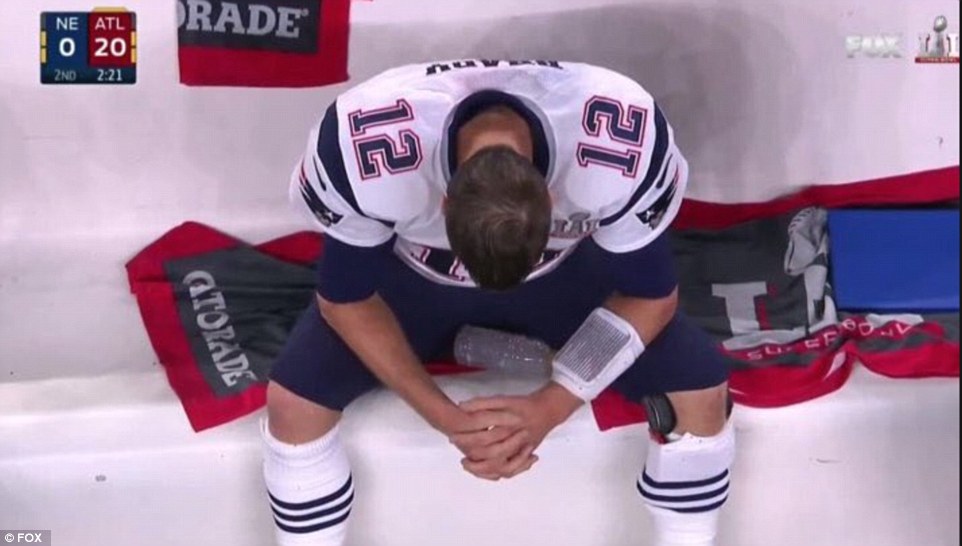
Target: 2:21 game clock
(99, 46)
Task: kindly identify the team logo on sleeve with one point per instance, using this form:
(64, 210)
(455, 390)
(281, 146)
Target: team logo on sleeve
(324, 215)
(322, 212)
(655, 214)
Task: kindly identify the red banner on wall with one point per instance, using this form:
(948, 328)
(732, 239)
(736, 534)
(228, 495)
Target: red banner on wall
(263, 43)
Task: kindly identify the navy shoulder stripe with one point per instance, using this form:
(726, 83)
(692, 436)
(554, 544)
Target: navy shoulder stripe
(329, 150)
(657, 161)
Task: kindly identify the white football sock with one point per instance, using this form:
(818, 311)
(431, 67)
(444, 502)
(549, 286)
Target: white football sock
(310, 489)
(685, 484)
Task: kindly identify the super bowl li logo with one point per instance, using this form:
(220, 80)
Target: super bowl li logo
(938, 46)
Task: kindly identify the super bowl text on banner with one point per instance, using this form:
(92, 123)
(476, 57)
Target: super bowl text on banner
(99, 46)
(263, 43)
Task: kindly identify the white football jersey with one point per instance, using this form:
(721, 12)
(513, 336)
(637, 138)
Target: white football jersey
(378, 163)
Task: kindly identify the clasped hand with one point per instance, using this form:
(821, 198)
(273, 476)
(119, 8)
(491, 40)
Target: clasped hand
(498, 435)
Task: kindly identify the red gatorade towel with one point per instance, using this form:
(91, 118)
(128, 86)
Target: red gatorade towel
(263, 43)
(218, 311)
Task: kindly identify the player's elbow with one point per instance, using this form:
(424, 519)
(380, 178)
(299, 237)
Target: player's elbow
(662, 311)
(655, 311)
(330, 311)
(671, 303)
(323, 305)
(338, 314)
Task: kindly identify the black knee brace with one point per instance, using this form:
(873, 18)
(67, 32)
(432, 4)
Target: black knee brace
(661, 414)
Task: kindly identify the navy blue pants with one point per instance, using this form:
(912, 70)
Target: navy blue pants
(315, 364)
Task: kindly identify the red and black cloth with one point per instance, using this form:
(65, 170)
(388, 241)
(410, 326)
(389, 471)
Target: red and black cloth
(263, 43)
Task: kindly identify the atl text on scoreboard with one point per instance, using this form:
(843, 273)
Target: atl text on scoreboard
(99, 46)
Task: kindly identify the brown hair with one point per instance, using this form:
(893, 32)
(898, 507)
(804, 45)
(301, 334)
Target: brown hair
(498, 216)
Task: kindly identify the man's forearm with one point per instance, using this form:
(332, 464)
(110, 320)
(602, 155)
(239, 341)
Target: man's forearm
(371, 330)
(647, 316)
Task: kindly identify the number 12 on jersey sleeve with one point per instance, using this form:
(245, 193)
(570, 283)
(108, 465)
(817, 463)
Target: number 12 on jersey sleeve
(380, 152)
(622, 125)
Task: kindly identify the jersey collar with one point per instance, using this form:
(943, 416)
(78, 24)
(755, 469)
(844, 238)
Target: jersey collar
(481, 100)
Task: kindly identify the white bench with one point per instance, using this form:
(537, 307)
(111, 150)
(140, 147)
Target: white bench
(111, 460)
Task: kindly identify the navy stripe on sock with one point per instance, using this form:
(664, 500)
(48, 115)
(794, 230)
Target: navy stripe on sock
(313, 528)
(313, 515)
(681, 485)
(314, 503)
(700, 509)
(683, 498)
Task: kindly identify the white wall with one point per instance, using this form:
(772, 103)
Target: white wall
(761, 94)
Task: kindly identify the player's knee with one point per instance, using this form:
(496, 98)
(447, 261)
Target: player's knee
(686, 478)
(295, 420)
(306, 471)
(702, 412)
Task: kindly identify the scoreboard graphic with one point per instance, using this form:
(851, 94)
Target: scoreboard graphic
(99, 46)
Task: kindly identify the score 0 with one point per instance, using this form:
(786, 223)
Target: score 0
(66, 44)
